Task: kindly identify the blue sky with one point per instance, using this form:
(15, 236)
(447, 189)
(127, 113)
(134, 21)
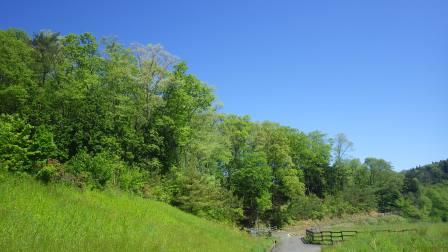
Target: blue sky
(375, 70)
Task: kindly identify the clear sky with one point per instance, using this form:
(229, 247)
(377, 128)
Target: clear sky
(375, 70)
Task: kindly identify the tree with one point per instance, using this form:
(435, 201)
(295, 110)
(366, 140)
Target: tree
(202, 195)
(386, 183)
(317, 161)
(251, 183)
(207, 149)
(153, 63)
(46, 43)
(287, 183)
(23, 147)
(338, 175)
(106, 115)
(341, 147)
(183, 96)
(236, 130)
(16, 71)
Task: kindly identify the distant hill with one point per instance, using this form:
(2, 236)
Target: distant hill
(425, 191)
(37, 217)
(433, 173)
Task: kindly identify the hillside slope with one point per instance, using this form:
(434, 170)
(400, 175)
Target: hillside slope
(36, 217)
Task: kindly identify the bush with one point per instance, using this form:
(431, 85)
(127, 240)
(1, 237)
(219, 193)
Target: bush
(102, 170)
(52, 171)
(408, 209)
(307, 207)
(97, 170)
(43, 147)
(201, 195)
(337, 206)
(24, 148)
(360, 198)
(15, 139)
(431, 203)
(131, 179)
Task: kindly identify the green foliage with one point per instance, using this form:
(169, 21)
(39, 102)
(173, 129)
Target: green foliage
(100, 170)
(430, 203)
(15, 139)
(43, 146)
(361, 198)
(51, 172)
(131, 179)
(336, 206)
(309, 207)
(202, 195)
(425, 192)
(436, 172)
(97, 114)
(318, 158)
(251, 183)
(427, 237)
(34, 217)
(22, 146)
(16, 73)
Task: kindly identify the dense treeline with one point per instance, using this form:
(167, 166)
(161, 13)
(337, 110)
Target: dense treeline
(434, 173)
(426, 192)
(97, 114)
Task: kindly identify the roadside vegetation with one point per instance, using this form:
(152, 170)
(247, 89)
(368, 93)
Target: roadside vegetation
(426, 237)
(346, 222)
(37, 217)
(373, 233)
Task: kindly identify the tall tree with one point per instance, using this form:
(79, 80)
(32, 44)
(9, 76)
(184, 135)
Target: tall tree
(341, 147)
(16, 71)
(251, 183)
(47, 45)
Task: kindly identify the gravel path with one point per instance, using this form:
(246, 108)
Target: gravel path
(290, 243)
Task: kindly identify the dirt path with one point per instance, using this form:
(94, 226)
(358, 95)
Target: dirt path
(291, 243)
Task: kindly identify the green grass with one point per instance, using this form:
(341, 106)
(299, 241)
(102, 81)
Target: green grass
(429, 237)
(37, 217)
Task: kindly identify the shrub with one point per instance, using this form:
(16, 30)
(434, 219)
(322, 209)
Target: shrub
(407, 209)
(201, 195)
(337, 206)
(307, 207)
(42, 146)
(102, 170)
(24, 148)
(15, 140)
(52, 171)
(360, 198)
(131, 179)
(97, 170)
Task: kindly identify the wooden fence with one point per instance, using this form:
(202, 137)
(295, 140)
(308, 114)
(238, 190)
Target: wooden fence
(330, 237)
(327, 237)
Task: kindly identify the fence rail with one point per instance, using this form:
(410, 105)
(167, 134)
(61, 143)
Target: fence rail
(266, 231)
(330, 237)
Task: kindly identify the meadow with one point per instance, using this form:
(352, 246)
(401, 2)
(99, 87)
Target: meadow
(55, 217)
(428, 237)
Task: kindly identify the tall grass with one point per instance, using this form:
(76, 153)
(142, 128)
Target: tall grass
(36, 217)
(431, 237)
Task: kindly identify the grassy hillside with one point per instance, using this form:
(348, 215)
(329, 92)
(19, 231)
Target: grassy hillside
(427, 237)
(35, 217)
